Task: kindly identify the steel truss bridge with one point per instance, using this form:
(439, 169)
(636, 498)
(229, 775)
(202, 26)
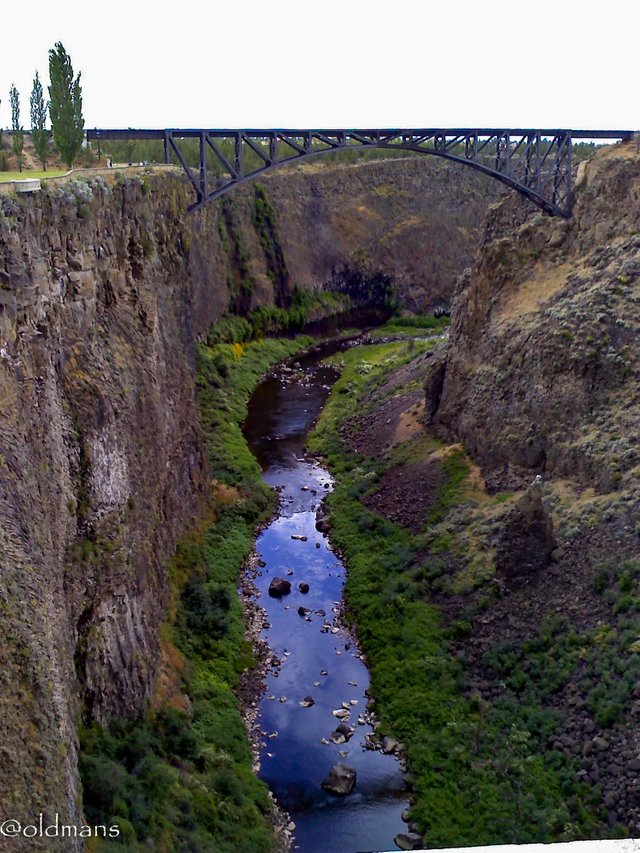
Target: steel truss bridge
(536, 163)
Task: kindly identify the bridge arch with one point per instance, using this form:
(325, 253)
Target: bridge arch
(535, 163)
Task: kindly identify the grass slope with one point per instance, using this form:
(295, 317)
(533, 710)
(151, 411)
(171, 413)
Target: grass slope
(30, 174)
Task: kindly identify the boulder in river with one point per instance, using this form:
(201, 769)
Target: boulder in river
(307, 702)
(342, 734)
(389, 745)
(279, 587)
(408, 841)
(303, 587)
(341, 780)
(299, 538)
(322, 523)
(410, 779)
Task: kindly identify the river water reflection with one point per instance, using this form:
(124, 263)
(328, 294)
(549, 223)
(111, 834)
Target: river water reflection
(317, 661)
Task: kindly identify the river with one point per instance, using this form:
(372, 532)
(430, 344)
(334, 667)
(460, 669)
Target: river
(316, 661)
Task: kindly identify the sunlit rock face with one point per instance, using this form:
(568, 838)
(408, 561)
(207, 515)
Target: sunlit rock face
(541, 372)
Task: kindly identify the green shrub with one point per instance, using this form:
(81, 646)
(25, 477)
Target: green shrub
(207, 606)
(266, 320)
(147, 247)
(230, 329)
(417, 321)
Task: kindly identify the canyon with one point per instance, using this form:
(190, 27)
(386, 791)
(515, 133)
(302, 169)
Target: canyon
(105, 287)
(486, 480)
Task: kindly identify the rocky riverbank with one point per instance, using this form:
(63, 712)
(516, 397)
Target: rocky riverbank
(411, 515)
(252, 687)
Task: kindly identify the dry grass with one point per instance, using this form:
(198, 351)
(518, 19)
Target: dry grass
(59, 176)
(544, 282)
(409, 424)
(624, 150)
(400, 227)
(224, 494)
(169, 684)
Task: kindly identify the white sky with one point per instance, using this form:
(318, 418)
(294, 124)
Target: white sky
(336, 63)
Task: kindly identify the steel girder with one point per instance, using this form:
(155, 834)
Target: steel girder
(535, 163)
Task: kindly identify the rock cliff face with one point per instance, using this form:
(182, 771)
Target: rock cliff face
(541, 371)
(104, 290)
(102, 463)
(541, 376)
(415, 221)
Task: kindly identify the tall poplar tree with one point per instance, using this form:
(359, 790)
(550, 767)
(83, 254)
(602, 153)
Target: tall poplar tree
(39, 133)
(65, 105)
(17, 137)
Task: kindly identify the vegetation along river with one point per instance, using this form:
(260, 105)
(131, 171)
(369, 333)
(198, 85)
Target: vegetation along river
(316, 668)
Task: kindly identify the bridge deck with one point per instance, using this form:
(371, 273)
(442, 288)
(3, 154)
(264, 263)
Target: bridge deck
(194, 133)
(535, 162)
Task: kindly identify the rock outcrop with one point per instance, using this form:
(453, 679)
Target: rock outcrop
(341, 780)
(101, 458)
(541, 377)
(541, 371)
(526, 538)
